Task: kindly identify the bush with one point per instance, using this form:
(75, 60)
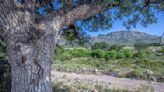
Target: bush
(140, 54)
(120, 55)
(80, 52)
(59, 52)
(116, 47)
(67, 54)
(98, 53)
(128, 53)
(100, 45)
(141, 46)
(148, 52)
(111, 55)
(162, 49)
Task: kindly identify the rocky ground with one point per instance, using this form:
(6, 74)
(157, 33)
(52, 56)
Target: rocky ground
(103, 83)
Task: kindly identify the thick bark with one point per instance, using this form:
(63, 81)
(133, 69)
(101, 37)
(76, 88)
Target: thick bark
(30, 57)
(30, 47)
(31, 64)
(30, 53)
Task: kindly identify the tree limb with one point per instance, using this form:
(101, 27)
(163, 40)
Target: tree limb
(85, 11)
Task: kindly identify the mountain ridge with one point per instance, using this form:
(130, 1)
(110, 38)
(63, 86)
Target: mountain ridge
(126, 37)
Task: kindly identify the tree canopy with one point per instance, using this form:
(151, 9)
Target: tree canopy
(131, 12)
(94, 15)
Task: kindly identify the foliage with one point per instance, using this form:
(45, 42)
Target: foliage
(5, 76)
(4, 68)
(162, 49)
(80, 52)
(98, 53)
(146, 88)
(120, 55)
(3, 49)
(69, 53)
(128, 67)
(128, 53)
(59, 87)
(100, 45)
(123, 63)
(140, 46)
(130, 12)
(74, 37)
(59, 50)
(116, 47)
(135, 12)
(140, 54)
(111, 55)
(61, 53)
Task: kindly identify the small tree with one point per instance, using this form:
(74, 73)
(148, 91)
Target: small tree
(120, 55)
(128, 53)
(111, 55)
(98, 53)
(116, 47)
(101, 45)
(141, 54)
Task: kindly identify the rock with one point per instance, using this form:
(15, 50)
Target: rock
(153, 79)
(149, 72)
(94, 90)
(128, 73)
(96, 71)
(150, 75)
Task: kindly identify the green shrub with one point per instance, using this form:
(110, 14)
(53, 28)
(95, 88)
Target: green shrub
(67, 54)
(100, 45)
(111, 55)
(120, 55)
(59, 52)
(141, 46)
(59, 87)
(162, 49)
(116, 47)
(98, 53)
(128, 53)
(80, 52)
(148, 52)
(140, 54)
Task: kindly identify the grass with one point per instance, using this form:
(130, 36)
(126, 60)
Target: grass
(80, 86)
(139, 64)
(145, 88)
(130, 68)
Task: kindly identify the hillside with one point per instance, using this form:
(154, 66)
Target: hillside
(126, 37)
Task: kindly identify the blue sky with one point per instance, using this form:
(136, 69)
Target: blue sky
(153, 29)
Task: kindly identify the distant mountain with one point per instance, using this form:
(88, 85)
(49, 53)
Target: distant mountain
(126, 38)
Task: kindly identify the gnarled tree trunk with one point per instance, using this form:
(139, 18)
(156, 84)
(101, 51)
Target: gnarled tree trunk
(31, 64)
(30, 45)
(31, 41)
(30, 53)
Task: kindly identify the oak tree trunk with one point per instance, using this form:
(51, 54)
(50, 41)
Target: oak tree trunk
(31, 40)
(30, 45)
(30, 60)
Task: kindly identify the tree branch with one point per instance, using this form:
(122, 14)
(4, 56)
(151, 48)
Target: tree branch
(85, 11)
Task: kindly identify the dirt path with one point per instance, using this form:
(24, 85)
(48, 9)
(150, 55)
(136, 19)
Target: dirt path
(129, 83)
